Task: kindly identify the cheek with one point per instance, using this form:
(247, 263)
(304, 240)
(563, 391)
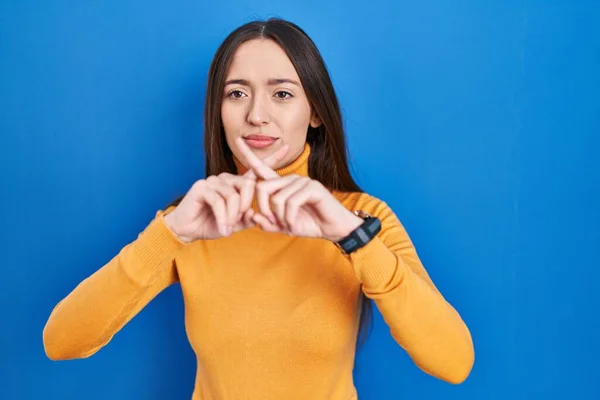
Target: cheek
(225, 115)
(296, 119)
(229, 119)
(230, 126)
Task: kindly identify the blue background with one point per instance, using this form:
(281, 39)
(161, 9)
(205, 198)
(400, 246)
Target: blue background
(477, 122)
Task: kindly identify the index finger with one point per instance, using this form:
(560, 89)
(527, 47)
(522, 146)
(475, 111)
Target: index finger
(258, 167)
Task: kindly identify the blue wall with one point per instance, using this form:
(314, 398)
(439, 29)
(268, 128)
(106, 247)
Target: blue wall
(477, 122)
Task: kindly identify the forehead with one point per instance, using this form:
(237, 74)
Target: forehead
(261, 59)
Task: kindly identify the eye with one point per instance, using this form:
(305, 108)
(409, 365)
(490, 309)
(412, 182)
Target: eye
(283, 95)
(236, 94)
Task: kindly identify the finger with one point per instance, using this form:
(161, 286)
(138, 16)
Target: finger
(217, 205)
(231, 196)
(247, 187)
(279, 200)
(247, 218)
(245, 221)
(244, 186)
(304, 196)
(271, 161)
(254, 163)
(264, 223)
(264, 190)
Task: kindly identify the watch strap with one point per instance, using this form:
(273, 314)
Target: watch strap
(361, 235)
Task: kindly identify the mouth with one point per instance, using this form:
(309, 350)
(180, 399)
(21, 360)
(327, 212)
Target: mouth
(260, 141)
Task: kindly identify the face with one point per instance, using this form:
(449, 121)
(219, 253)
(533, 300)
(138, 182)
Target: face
(264, 102)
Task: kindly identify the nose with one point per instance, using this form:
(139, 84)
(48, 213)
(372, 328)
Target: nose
(258, 114)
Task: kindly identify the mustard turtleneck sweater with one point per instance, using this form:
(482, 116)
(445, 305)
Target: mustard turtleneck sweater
(271, 316)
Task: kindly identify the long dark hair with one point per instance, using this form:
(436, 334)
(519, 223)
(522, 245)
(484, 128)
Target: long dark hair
(328, 161)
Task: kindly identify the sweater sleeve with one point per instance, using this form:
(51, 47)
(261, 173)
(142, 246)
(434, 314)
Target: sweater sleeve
(99, 306)
(421, 321)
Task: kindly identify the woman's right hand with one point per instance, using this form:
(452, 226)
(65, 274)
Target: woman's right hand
(218, 205)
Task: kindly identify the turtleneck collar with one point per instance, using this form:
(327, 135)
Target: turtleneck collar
(299, 166)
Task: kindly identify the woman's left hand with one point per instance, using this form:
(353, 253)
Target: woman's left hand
(297, 205)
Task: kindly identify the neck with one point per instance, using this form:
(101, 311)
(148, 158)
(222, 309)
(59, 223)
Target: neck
(298, 166)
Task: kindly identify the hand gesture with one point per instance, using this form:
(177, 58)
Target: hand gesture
(297, 205)
(218, 205)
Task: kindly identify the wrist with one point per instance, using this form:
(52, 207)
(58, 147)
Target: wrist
(346, 227)
(361, 235)
(170, 223)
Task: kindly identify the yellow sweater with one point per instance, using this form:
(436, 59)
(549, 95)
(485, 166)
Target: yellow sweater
(271, 316)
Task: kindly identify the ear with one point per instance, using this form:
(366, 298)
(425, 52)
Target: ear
(315, 121)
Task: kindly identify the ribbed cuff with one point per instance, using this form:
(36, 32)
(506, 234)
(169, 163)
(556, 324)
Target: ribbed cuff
(374, 264)
(155, 245)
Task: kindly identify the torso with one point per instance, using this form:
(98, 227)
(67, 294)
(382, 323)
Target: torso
(270, 316)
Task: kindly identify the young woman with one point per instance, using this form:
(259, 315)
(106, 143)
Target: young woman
(278, 252)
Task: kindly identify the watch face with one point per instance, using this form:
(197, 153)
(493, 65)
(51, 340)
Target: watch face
(361, 214)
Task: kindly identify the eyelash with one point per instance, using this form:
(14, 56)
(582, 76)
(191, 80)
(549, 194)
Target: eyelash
(288, 95)
(230, 94)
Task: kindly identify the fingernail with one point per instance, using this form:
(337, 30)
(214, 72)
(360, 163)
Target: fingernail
(272, 219)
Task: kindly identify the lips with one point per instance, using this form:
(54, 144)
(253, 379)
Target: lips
(260, 141)
(259, 137)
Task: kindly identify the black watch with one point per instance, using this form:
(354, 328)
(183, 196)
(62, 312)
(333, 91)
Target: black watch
(361, 235)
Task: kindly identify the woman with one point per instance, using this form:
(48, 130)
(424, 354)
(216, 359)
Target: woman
(277, 251)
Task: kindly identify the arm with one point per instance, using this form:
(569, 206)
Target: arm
(420, 320)
(88, 318)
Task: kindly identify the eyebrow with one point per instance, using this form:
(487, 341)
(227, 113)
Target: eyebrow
(270, 82)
